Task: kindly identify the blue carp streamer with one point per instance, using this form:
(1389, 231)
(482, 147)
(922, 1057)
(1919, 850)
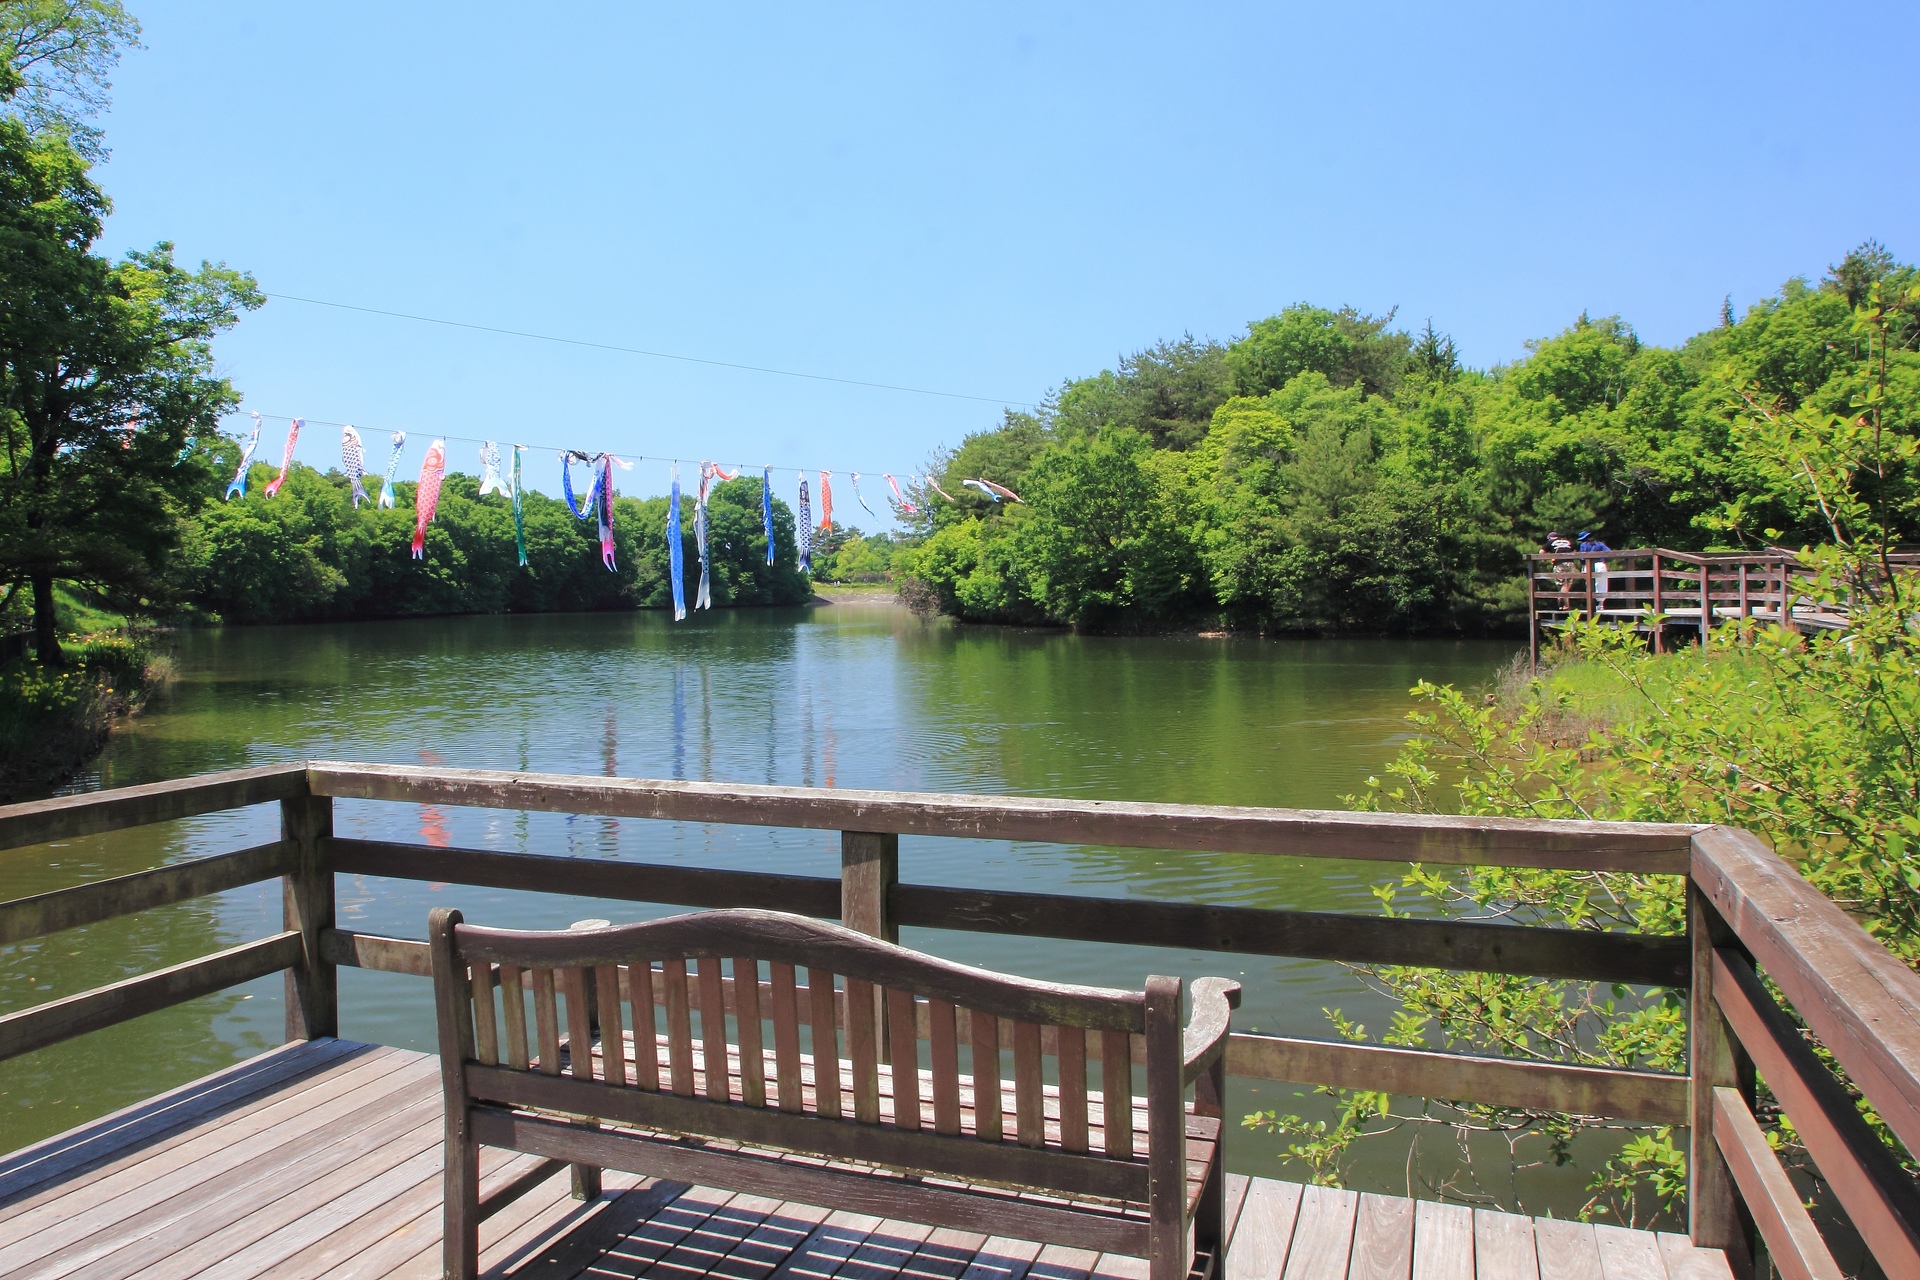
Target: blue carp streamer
(567, 460)
(393, 464)
(766, 508)
(239, 485)
(676, 554)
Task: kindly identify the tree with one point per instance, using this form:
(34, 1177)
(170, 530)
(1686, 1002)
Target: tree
(1348, 347)
(55, 56)
(107, 385)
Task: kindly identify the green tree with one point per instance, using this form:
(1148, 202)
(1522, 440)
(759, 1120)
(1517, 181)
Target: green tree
(55, 56)
(1349, 348)
(106, 381)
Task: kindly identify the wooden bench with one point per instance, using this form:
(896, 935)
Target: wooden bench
(837, 1110)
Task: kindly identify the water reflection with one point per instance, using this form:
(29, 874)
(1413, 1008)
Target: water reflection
(847, 696)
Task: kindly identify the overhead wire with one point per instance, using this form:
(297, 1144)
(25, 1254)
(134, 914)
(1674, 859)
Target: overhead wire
(654, 355)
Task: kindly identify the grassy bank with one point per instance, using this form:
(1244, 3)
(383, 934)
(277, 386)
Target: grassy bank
(54, 720)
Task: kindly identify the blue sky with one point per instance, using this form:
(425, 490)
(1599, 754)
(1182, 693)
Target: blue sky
(973, 199)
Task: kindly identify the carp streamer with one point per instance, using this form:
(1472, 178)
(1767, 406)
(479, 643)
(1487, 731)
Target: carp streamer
(899, 497)
(490, 481)
(393, 465)
(803, 529)
(427, 496)
(286, 458)
(709, 472)
(519, 522)
(826, 501)
(766, 508)
(239, 485)
(567, 460)
(676, 554)
(861, 500)
(603, 499)
(353, 460)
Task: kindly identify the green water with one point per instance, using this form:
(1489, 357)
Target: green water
(849, 695)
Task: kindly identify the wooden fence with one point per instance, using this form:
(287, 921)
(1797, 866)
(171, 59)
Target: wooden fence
(1749, 914)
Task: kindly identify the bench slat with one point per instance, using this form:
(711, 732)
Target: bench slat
(613, 1039)
(944, 1050)
(713, 1028)
(486, 1025)
(906, 1059)
(1073, 1089)
(574, 984)
(546, 1021)
(989, 1122)
(863, 1050)
(753, 1076)
(513, 997)
(1116, 1094)
(786, 1035)
(673, 976)
(1029, 1103)
(825, 1039)
(646, 1042)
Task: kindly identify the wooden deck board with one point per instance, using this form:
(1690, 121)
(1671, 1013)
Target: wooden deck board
(323, 1160)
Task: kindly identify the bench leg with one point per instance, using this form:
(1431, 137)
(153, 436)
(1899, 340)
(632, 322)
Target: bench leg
(461, 1201)
(586, 1182)
(1210, 1216)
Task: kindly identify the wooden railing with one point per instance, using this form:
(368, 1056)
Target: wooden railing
(1749, 914)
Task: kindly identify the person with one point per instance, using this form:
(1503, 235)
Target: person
(1590, 543)
(1563, 570)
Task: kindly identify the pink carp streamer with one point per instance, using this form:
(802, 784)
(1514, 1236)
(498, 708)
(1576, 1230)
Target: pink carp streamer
(427, 496)
(935, 486)
(992, 490)
(826, 499)
(899, 497)
(286, 459)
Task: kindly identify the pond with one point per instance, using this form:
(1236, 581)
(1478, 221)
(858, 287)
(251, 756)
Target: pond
(851, 694)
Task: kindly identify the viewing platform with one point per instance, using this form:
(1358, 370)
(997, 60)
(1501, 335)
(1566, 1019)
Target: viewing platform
(323, 1156)
(1687, 591)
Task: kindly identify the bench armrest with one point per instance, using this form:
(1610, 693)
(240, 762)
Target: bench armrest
(1205, 1038)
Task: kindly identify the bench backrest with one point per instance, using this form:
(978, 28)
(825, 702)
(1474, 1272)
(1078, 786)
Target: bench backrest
(723, 1040)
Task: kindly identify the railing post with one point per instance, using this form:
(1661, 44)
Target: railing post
(869, 868)
(313, 990)
(1659, 607)
(1716, 1218)
(1533, 613)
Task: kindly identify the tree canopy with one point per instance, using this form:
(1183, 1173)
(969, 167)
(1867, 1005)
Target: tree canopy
(1326, 471)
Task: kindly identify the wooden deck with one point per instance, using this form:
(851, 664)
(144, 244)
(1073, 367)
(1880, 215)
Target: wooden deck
(322, 1158)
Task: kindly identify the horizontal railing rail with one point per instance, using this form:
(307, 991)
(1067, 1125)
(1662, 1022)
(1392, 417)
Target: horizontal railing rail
(1755, 928)
(1644, 847)
(1755, 915)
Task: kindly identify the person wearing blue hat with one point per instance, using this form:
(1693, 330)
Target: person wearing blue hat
(1598, 591)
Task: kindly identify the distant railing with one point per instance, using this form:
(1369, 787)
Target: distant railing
(1661, 590)
(1748, 913)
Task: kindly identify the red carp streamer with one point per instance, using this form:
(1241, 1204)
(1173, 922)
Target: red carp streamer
(899, 497)
(286, 459)
(427, 496)
(826, 499)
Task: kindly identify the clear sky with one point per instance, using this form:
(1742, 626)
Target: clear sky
(975, 199)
